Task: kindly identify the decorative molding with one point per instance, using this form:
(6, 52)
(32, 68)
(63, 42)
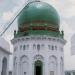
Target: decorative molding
(28, 38)
(38, 57)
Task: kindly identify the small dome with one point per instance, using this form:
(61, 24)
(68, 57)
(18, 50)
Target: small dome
(38, 11)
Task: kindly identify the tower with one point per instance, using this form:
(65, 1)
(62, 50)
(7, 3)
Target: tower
(38, 43)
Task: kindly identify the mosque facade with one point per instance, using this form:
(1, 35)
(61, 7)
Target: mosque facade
(38, 43)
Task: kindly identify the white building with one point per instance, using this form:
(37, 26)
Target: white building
(38, 43)
(73, 45)
(4, 56)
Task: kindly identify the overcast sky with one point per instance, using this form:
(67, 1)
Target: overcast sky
(66, 10)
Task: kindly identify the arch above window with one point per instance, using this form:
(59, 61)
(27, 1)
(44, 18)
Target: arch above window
(53, 59)
(38, 57)
(24, 57)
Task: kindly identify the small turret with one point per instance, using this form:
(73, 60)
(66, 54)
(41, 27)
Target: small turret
(14, 33)
(62, 33)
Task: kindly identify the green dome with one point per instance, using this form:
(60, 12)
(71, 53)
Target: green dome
(38, 11)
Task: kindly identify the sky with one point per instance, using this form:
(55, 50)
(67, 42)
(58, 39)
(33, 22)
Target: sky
(66, 10)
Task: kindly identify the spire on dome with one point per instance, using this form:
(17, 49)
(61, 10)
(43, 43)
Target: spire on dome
(32, 0)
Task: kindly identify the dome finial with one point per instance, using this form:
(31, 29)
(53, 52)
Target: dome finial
(32, 0)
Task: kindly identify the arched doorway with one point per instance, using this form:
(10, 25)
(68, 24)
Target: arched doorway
(4, 66)
(38, 68)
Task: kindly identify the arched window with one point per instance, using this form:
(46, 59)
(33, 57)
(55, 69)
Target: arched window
(38, 47)
(61, 66)
(27, 47)
(20, 47)
(15, 65)
(42, 46)
(34, 46)
(24, 47)
(52, 47)
(4, 66)
(49, 47)
(55, 47)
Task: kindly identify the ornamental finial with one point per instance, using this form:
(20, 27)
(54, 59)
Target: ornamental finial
(62, 32)
(32, 0)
